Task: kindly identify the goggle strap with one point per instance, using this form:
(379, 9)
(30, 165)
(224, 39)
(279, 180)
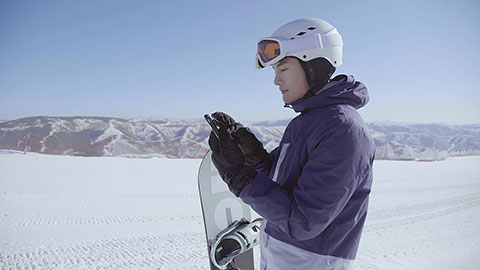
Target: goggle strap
(330, 39)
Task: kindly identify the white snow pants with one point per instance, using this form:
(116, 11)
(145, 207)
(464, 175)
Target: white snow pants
(277, 255)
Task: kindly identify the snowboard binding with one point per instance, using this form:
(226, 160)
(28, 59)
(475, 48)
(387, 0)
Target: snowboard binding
(235, 239)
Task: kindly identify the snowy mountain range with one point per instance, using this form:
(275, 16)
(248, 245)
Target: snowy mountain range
(187, 138)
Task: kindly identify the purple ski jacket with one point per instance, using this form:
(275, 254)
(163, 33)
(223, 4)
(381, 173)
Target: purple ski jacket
(313, 193)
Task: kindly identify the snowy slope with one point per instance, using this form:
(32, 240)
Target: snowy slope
(60, 212)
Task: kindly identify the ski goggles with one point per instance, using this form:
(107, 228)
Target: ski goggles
(268, 49)
(272, 50)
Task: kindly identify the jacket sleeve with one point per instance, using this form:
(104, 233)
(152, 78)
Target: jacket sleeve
(327, 182)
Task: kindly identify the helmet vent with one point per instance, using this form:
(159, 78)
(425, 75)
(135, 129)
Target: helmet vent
(301, 33)
(311, 28)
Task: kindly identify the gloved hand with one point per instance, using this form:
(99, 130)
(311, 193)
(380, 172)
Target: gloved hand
(251, 148)
(228, 160)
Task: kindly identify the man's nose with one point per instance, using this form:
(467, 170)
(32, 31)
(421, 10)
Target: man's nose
(276, 80)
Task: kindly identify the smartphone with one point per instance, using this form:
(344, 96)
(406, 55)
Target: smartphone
(212, 125)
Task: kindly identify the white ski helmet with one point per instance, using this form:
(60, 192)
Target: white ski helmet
(305, 39)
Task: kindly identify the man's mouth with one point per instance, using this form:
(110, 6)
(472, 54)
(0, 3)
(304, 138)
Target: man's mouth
(284, 91)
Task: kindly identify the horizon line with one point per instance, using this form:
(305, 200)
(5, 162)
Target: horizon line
(386, 122)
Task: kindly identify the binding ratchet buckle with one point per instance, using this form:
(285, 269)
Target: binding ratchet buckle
(237, 238)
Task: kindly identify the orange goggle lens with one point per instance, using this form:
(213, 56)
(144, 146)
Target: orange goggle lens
(268, 50)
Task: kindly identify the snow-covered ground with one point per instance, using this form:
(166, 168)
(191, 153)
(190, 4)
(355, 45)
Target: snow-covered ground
(59, 212)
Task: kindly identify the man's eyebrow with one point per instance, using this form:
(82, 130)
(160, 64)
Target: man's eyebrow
(281, 63)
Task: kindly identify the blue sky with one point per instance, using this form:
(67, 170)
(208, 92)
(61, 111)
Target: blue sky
(419, 59)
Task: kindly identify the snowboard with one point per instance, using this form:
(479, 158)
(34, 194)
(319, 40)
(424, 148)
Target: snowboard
(220, 209)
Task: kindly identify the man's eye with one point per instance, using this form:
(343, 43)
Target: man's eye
(283, 69)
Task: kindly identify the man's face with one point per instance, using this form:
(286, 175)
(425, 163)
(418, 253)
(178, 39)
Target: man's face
(290, 78)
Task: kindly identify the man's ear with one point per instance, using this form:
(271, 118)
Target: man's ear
(318, 71)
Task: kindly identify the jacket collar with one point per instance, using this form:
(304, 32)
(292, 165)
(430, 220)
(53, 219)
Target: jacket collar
(342, 89)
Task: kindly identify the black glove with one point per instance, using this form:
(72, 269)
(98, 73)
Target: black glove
(228, 160)
(251, 148)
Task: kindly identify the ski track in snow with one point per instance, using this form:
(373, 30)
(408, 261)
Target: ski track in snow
(104, 220)
(53, 221)
(382, 219)
(147, 252)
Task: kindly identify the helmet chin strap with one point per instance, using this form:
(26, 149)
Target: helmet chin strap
(317, 72)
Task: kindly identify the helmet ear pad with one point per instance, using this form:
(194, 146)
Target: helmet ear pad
(317, 71)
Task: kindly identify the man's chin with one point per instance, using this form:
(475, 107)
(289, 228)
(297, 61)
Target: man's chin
(289, 100)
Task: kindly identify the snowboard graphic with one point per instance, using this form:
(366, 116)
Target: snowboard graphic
(223, 213)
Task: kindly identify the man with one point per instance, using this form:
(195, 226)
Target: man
(313, 189)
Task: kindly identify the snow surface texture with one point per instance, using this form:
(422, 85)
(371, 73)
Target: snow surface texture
(59, 212)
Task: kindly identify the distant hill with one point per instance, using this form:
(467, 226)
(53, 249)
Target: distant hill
(187, 138)
(425, 141)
